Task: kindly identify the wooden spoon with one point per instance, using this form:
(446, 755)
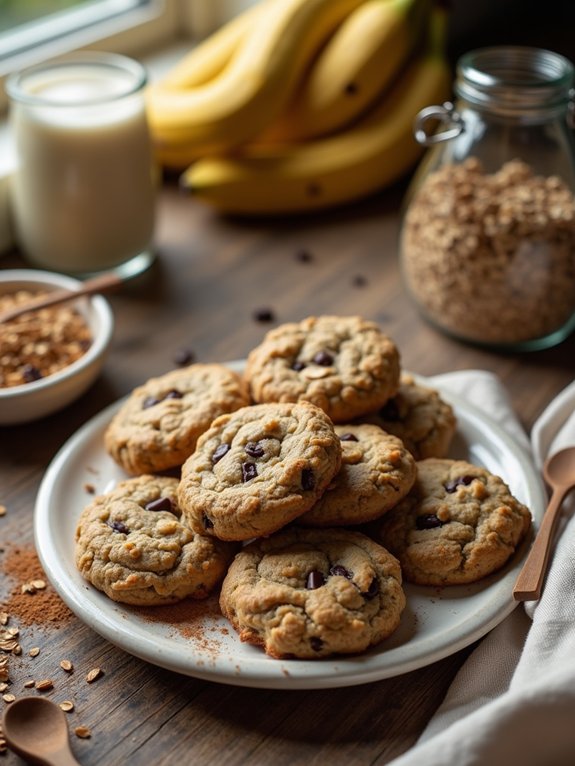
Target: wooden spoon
(36, 729)
(559, 473)
(96, 285)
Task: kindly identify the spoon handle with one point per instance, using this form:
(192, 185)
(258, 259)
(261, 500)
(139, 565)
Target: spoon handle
(62, 757)
(54, 297)
(530, 581)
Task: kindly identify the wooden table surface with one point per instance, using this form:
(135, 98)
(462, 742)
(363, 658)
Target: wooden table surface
(211, 276)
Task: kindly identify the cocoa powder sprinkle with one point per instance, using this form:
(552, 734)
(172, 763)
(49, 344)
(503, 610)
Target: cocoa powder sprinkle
(21, 566)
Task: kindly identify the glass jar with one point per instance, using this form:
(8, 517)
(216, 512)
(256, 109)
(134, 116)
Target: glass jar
(487, 244)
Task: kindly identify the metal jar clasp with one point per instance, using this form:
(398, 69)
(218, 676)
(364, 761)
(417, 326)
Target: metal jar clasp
(437, 123)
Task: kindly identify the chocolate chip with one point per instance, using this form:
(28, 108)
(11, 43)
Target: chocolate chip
(249, 471)
(428, 521)
(264, 315)
(348, 437)
(31, 373)
(339, 569)
(452, 485)
(390, 410)
(254, 449)
(219, 452)
(174, 394)
(304, 256)
(323, 358)
(161, 504)
(307, 479)
(298, 366)
(118, 526)
(151, 401)
(314, 580)
(207, 522)
(373, 589)
(316, 643)
(183, 357)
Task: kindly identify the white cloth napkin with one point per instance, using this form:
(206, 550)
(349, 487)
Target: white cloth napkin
(513, 700)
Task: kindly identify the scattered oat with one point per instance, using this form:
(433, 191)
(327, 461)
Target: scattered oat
(29, 684)
(93, 675)
(8, 698)
(38, 584)
(83, 732)
(45, 685)
(8, 644)
(27, 587)
(67, 666)
(3, 686)
(3, 510)
(17, 650)
(67, 706)
(4, 617)
(34, 652)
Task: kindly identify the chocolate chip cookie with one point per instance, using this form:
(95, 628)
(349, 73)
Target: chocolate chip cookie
(377, 471)
(159, 424)
(311, 593)
(458, 524)
(345, 365)
(133, 545)
(257, 469)
(418, 415)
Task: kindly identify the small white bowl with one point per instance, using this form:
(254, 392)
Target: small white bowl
(21, 404)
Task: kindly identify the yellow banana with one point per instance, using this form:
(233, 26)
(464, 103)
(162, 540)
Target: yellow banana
(356, 65)
(209, 58)
(255, 86)
(293, 178)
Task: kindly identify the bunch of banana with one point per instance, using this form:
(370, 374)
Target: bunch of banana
(357, 64)
(253, 87)
(320, 118)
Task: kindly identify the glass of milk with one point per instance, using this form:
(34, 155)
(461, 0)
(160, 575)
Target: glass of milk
(83, 193)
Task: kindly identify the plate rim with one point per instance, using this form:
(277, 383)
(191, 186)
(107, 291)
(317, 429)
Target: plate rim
(291, 674)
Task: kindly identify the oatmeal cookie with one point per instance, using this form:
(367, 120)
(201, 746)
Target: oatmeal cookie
(133, 545)
(458, 524)
(345, 365)
(418, 415)
(377, 471)
(311, 593)
(257, 469)
(159, 424)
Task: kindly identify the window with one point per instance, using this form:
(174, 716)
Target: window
(23, 26)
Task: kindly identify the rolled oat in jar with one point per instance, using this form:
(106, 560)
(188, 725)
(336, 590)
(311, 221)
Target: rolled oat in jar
(488, 237)
(491, 257)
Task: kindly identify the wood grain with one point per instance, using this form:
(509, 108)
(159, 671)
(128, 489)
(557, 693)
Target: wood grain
(211, 275)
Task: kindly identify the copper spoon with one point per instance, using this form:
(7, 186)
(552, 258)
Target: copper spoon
(559, 473)
(36, 729)
(96, 285)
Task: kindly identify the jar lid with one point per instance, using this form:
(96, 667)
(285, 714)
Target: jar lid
(514, 78)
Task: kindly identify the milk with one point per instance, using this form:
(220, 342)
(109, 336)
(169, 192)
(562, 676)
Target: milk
(83, 193)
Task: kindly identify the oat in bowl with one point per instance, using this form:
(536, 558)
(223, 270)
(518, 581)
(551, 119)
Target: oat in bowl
(50, 357)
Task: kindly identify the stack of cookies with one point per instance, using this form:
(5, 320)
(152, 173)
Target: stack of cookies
(308, 486)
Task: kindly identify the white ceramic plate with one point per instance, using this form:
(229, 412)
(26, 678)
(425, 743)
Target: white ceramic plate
(436, 623)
